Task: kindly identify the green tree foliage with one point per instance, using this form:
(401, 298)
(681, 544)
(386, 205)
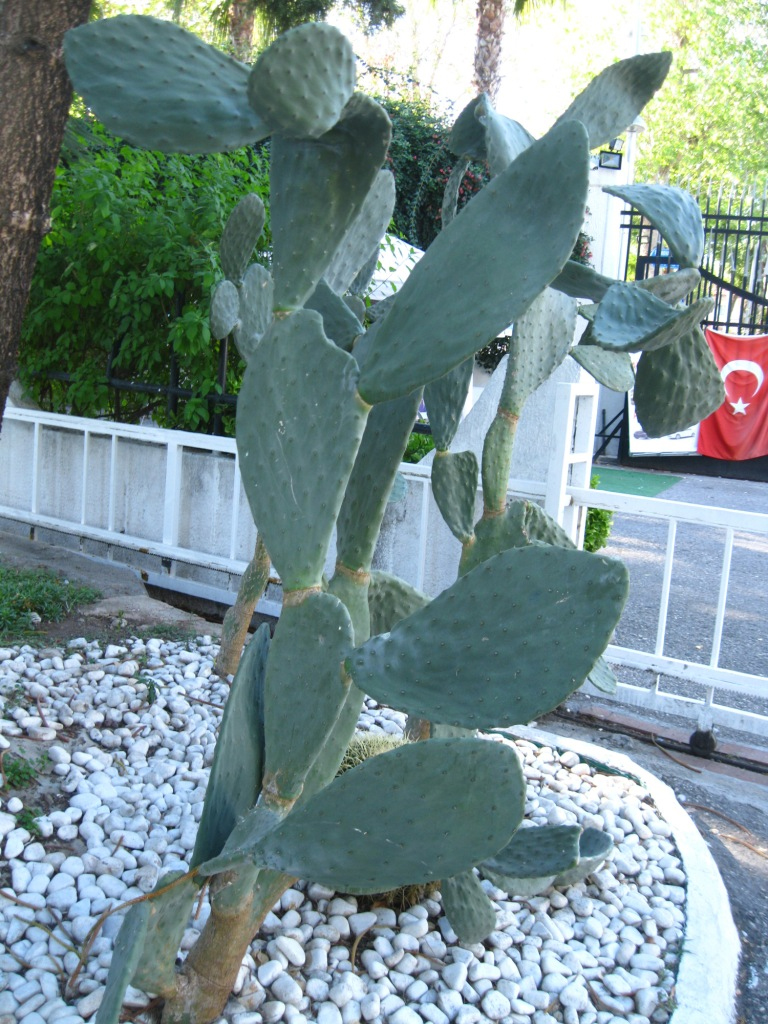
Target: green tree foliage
(709, 120)
(421, 162)
(124, 277)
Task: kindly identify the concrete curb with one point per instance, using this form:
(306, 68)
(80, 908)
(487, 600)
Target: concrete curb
(706, 978)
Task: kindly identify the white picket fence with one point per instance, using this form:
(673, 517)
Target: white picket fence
(171, 504)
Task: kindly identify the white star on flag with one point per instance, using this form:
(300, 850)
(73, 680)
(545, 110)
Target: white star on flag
(740, 407)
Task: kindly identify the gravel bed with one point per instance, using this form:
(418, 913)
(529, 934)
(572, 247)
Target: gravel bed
(130, 732)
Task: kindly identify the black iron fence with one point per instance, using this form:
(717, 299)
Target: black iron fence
(734, 268)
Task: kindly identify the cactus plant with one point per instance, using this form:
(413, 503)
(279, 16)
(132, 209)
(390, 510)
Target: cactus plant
(324, 413)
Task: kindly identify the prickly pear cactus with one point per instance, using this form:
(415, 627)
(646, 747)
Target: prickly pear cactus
(323, 415)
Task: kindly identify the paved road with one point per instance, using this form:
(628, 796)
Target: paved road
(696, 578)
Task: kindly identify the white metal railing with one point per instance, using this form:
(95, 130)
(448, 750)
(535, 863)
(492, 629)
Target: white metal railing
(709, 675)
(229, 551)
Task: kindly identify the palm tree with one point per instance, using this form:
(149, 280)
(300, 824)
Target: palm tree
(491, 15)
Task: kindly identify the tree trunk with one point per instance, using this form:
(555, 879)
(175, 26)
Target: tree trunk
(490, 35)
(240, 19)
(36, 94)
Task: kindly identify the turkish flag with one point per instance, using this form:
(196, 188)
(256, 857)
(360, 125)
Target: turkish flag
(739, 428)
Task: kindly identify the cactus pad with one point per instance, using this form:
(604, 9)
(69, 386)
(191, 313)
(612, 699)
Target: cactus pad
(533, 858)
(241, 233)
(467, 907)
(444, 399)
(468, 136)
(496, 249)
(301, 83)
(238, 763)
(673, 212)
(309, 223)
(631, 319)
(612, 100)
(255, 293)
(677, 386)
(582, 282)
(298, 441)
(612, 369)
(156, 85)
(454, 486)
(311, 641)
(422, 829)
(468, 658)
(540, 342)
(391, 599)
(340, 324)
(374, 473)
(168, 918)
(364, 233)
(594, 847)
(225, 310)
(125, 957)
(505, 139)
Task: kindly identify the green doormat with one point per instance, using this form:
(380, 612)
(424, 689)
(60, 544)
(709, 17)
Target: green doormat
(633, 481)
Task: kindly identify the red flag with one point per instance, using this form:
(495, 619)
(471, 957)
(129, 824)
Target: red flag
(739, 428)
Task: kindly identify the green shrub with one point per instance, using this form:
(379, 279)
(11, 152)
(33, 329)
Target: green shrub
(25, 593)
(598, 526)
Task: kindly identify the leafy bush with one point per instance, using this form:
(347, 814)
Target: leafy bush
(124, 277)
(598, 525)
(418, 446)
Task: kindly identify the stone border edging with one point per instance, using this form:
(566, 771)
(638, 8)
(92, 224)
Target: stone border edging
(705, 988)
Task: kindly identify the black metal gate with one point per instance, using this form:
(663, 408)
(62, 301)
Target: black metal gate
(734, 269)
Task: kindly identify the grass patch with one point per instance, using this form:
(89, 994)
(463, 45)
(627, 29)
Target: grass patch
(29, 597)
(20, 772)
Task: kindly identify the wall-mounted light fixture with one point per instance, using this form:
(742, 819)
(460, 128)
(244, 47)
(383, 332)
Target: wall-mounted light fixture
(610, 160)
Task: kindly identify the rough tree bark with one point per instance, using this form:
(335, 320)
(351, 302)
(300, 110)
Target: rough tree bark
(36, 94)
(490, 35)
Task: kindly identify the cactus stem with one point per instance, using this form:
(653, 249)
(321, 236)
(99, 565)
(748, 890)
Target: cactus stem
(291, 598)
(272, 797)
(365, 406)
(359, 576)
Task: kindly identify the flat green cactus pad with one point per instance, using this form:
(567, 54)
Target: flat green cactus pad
(255, 309)
(603, 677)
(496, 249)
(536, 851)
(422, 829)
(238, 764)
(594, 847)
(303, 693)
(505, 644)
(632, 319)
(168, 919)
(672, 288)
(125, 957)
(386, 435)
(505, 139)
(612, 369)
(540, 342)
(241, 233)
(673, 212)
(301, 83)
(612, 100)
(299, 425)
(364, 233)
(444, 399)
(467, 136)
(225, 309)
(454, 486)
(467, 907)
(677, 386)
(158, 86)
(582, 282)
(339, 322)
(318, 188)
(391, 599)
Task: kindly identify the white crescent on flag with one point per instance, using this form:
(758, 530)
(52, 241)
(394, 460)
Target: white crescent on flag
(748, 366)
